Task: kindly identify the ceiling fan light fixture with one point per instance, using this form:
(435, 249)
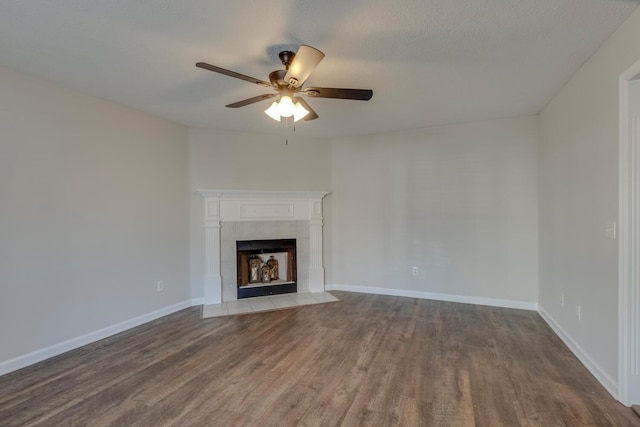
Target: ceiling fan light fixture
(286, 108)
(300, 112)
(273, 111)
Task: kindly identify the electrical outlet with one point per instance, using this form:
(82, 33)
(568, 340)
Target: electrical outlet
(562, 300)
(160, 285)
(415, 271)
(610, 230)
(578, 312)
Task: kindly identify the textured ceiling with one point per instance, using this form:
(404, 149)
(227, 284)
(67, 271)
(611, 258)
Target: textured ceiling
(428, 61)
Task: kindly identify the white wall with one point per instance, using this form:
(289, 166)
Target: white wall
(578, 195)
(94, 210)
(634, 98)
(459, 202)
(248, 161)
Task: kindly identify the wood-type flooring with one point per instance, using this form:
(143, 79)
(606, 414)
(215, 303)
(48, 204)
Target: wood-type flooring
(368, 360)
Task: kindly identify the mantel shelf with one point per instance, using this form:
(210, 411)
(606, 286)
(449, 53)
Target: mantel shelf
(261, 194)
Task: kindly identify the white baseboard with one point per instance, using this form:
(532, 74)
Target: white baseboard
(56, 349)
(493, 302)
(607, 382)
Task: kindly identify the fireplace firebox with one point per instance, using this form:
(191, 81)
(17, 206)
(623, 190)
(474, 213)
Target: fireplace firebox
(266, 267)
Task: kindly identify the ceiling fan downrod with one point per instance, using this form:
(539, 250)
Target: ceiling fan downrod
(286, 57)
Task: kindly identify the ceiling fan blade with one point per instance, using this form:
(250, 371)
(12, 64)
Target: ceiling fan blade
(251, 100)
(230, 73)
(332, 92)
(312, 114)
(305, 61)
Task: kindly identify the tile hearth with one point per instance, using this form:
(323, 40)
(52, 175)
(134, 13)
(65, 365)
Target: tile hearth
(268, 303)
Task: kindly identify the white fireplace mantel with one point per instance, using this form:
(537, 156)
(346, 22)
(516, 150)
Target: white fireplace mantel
(248, 205)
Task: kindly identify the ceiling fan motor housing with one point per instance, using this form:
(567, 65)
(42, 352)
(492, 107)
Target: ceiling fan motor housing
(277, 77)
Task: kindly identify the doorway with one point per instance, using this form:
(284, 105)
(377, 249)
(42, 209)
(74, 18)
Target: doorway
(629, 238)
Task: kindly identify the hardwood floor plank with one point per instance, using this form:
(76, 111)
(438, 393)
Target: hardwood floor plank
(368, 360)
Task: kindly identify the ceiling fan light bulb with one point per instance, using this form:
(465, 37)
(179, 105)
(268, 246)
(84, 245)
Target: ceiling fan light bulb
(273, 111)
(286, 106)
(299, 112)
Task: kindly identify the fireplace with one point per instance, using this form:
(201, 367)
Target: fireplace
(232, 216)
(266, 267)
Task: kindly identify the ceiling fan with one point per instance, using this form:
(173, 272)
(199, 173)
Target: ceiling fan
(288, 84)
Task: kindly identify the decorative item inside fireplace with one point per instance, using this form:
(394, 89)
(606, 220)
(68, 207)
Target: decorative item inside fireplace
(266, 267)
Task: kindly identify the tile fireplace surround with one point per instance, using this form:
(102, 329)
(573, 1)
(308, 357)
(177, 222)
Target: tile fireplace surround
(231, 215)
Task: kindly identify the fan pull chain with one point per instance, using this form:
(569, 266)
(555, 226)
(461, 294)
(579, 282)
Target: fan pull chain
(286, 128)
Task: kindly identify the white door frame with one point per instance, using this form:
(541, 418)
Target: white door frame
(628, 247)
